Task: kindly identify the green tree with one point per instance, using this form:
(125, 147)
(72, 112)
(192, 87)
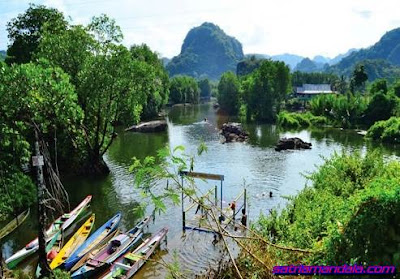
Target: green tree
(264, 90)
(184, 89)
(106, 87)
(34, 94)
(379, 85)
(68, 49)
(25, 31)
(396, 88)
(229, 93)
(113, 83)
(381, 107)
(358, 79)
(205, 88)
(157, 83)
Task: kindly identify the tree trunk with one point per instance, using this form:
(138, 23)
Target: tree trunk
(95, 165)
(45, 269)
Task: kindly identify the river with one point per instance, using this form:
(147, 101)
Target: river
(255, 163)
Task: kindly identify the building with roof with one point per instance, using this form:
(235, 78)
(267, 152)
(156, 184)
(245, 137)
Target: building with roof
(307, 91)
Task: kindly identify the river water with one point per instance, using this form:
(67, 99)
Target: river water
(255, 164)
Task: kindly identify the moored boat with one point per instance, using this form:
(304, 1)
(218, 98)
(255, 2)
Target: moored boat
(117, 246)
(73, 243)
(94, 251)
(95, 239)
(13, 224)
(128, 264)
(54, 246)
(61, 223)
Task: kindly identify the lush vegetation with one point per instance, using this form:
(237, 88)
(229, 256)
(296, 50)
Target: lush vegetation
(75, 84)
(353, 201)
(206, 52)
(229, 93)
(299, 120)
(265, 89)
(300, 78)
(205, 87)
(386, 130)
(184, 89)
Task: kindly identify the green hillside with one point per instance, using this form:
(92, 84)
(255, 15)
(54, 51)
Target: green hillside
(206, 52)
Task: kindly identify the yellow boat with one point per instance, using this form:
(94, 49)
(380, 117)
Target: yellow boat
(76, 240)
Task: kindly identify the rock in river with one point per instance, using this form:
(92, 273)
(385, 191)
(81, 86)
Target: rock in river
(149, 127)
(292, 143)
(234, 132)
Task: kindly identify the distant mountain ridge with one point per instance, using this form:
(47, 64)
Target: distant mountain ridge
(206, 52)
(294, 61)
(386, 53)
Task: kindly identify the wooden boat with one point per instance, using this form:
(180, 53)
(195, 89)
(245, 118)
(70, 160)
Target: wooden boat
(97, 237)
(73, 243)
(66, 219)
(128, 264)
(54, 245)
(117, 246)
(61, 223)
(94, 251)
(13, 224)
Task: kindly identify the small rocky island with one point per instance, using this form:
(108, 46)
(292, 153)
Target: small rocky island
(292, 143)
(149, 127)
(233, 132)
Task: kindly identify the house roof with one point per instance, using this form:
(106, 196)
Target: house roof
(314, 89)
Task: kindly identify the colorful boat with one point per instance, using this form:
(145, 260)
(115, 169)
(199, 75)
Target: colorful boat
(62, 223)
(73, 243)
(117, 246)
(97, 237)
(13, 224)
(94, 251)
(54, 246)
(128, 264)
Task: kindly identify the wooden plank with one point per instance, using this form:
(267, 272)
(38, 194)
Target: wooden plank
(203, 175)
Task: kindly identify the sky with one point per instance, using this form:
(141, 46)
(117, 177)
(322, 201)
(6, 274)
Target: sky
(302, 27)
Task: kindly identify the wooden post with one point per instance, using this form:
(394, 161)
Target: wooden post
(183, 220)
(216, 195)
(38, 162)
(221, 195)
(183, 212)
(245, 199)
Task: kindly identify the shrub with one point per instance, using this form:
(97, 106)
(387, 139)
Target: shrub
(386, 130)
(354, 201)
(297, 120)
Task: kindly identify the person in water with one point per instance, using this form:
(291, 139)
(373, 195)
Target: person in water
(243, 220)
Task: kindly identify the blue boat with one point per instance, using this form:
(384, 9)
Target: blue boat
(117, 246)
(95, 239)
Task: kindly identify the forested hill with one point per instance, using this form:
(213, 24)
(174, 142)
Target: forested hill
(206, 52)
(387, 49)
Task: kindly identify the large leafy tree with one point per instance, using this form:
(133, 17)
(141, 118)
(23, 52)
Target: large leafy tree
(112, 83)
(184, 89)
(155, 81)
(107, 83)
(358, 79)
(264, 90)
(205, 88)
(33, 94)
(229, 93)
(25, 31)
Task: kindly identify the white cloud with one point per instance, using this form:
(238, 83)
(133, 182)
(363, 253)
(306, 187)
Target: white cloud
(308, 27)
